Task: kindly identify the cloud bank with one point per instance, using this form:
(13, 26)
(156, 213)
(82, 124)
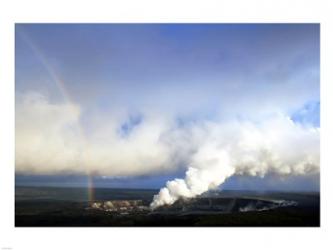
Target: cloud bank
(51, 140)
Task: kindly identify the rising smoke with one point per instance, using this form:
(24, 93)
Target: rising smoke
(277, 146)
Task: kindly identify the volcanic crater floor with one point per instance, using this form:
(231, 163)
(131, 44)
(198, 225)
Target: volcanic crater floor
(54, 207)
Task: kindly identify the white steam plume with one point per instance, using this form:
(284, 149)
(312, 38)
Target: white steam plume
(277, 146)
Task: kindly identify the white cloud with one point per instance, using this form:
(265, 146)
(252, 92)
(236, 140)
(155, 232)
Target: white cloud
(277, 146)
(50, 139)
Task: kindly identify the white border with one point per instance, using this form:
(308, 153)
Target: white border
(15, 11)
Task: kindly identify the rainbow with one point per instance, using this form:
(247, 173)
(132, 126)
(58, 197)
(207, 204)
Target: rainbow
(65, 93)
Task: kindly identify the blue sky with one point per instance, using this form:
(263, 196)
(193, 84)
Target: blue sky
(125, 74)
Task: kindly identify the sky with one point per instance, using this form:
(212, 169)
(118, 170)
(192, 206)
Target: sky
(132, 104)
